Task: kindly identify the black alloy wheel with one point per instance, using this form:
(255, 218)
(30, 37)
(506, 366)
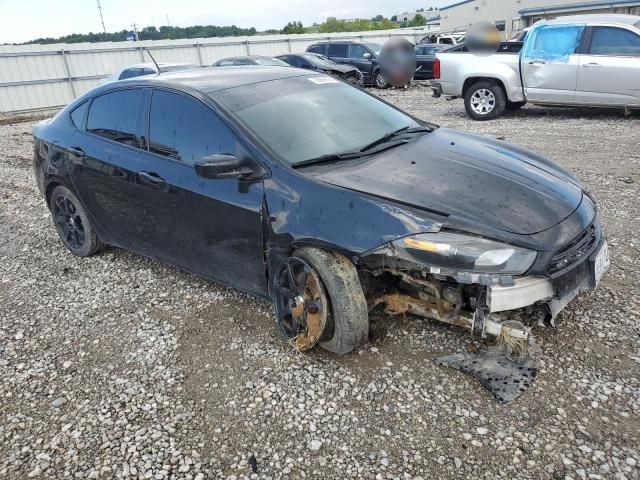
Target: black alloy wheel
(68, 222)
(72, 223)
(300, 303)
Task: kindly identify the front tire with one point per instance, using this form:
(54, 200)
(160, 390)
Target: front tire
(485, 101)
(347, 319)
(379, 81)
(72, 223)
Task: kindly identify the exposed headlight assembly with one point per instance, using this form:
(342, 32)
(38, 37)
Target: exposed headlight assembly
(453, 251)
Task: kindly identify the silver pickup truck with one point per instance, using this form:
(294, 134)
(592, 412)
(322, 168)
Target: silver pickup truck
(587, 60)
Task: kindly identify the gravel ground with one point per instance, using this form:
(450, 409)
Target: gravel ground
(120, 367)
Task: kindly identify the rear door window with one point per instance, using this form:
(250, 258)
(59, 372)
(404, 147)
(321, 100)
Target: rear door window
(338, 50)
(184, 129)
(115, 116)
(614, 41)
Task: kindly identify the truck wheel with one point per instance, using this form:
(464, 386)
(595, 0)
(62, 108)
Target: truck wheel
(317, 297)
(379, 81)
(515, 105)
(485, 101)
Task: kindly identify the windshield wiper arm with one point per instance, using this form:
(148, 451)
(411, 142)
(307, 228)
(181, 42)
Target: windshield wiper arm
(392, 135)
(331, 157)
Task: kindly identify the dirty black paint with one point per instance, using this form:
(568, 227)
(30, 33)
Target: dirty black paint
(237, 230)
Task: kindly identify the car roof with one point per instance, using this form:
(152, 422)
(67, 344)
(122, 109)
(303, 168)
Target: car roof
(433, 45)
(328, 42)
(596, 19)
(208, 80)
(152, 65)
(245, 56)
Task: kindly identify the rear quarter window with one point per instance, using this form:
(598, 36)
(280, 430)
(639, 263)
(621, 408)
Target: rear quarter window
(78, 115)
(317, 49)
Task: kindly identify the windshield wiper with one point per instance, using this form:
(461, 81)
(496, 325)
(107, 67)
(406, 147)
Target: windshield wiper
(383, 143)
(331, 157)
(392, 135)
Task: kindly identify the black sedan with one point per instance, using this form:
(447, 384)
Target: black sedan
(320, 63)
(295, 186)
(424, 59)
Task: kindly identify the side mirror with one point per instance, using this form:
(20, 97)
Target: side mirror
(367, 56)
(220, 166)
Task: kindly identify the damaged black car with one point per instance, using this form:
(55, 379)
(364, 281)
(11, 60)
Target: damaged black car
(297, 187)
(320, 63)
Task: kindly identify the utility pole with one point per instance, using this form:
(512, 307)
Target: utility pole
(104, 29)
(168, 24)
(135, 31)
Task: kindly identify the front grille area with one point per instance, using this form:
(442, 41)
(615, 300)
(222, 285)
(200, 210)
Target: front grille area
(575, 250)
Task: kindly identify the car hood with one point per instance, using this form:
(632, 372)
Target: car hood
(339, 67)
(477, 179)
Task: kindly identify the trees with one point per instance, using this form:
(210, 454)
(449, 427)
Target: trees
(153, 33)
(294, 27)
(332, 24)
(418, 21)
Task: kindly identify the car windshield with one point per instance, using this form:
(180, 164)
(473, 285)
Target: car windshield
(375, 48)
(304, 118)
(271, 61)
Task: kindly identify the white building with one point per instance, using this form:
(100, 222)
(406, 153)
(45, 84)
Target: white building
(511, 16)
(408, 16)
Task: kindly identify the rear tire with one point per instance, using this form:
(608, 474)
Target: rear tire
(347, 325)
(485, 101)
(72, 223)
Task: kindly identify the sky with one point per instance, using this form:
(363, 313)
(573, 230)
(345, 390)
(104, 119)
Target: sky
(23, 20)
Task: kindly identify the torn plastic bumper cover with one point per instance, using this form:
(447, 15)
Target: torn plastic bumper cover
(478, 284)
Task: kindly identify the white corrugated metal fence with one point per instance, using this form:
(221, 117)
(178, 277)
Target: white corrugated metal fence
(45, 77)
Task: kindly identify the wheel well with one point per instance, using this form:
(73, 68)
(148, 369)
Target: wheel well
(49, 191)
(470, 81)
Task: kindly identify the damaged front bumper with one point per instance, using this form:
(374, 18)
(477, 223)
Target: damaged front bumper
(484, 304)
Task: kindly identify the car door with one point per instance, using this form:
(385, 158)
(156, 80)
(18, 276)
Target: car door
(358, 58)
(213, 227)
(102, 162)
(550, 63)
(609, 71)
(339, 52)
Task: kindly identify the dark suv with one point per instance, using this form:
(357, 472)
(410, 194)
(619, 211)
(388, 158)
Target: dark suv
(364, 56)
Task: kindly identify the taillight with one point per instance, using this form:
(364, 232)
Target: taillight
(436, 68)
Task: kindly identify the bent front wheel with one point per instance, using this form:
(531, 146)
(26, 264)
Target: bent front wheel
(318, 298)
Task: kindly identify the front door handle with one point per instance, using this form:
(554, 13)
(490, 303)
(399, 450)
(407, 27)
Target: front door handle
(592, 65)
(152, 179)
(537, 62)
(77, 151)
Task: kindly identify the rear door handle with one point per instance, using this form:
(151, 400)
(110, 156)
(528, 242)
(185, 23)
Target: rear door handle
(592, 65)
(151, 179)
(537, 62)
(78, 152)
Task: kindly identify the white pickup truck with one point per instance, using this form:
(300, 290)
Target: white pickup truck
(588, 60)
